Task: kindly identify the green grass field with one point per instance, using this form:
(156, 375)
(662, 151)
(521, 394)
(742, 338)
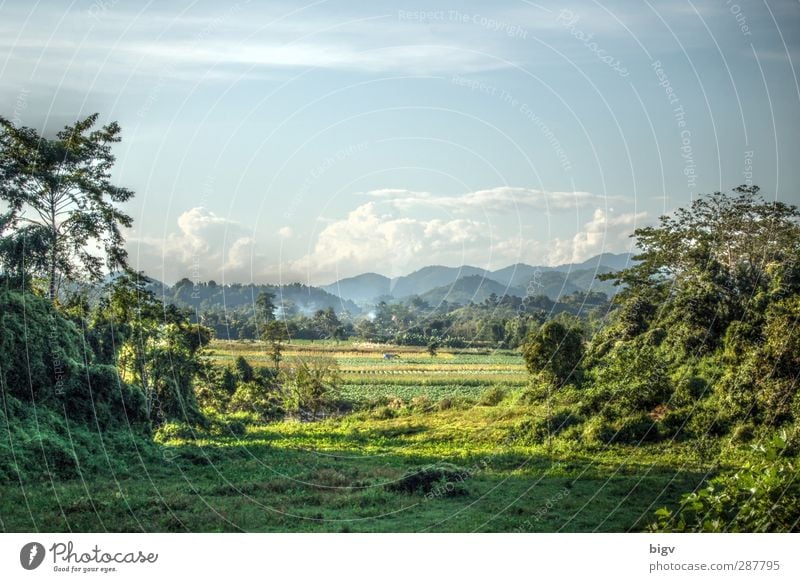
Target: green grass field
(337, 474)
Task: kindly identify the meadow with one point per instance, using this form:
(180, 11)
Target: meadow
(423, 450)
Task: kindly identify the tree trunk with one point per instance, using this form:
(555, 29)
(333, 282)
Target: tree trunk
(53, 251)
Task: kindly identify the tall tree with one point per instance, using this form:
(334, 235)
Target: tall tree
(59, 191)
(556, 350)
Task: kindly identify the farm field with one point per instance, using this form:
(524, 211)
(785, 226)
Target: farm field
(367, 376)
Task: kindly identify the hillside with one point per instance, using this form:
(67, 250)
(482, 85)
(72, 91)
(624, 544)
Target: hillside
(434, 283)
(473, 288)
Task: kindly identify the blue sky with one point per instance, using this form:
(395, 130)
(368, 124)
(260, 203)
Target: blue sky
(272, 141)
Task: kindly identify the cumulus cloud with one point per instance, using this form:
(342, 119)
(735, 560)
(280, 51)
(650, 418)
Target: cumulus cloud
(205, 246)
(605, 232)
(369, 239)
(384, 237)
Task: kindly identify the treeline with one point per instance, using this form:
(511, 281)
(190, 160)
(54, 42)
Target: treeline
(501, 322)
(703, 347)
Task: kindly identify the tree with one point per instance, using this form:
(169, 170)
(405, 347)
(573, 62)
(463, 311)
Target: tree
(265, 307)
(153, 345)
(327, 323)
(704, 265)
(60, 195)
(433, 346)
(555, 350)
(244, 370)
(275, 333)
(311, 384)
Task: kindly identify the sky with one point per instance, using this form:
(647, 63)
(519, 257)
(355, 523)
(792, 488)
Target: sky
(284, 141)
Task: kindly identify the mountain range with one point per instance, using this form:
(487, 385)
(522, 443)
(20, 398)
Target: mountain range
(464, 284)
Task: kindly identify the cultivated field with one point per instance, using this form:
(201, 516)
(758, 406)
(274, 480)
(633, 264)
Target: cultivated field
(367, 376)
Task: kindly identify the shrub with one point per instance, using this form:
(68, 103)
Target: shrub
(631, 378)
(534, 432)
(599, 430)
(421, 403)
(175, 431)
(635, 429)
(674, 423)
(442, 479)
(532, 394)
(688, 390)
(742, 432)
(454, 403)
(492, 396)
(58, 454)
(254, 398)
(762, 496)
(384, 413)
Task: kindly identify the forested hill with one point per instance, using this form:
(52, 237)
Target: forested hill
(294, 298)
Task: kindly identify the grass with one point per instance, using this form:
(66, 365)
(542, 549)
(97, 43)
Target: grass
(337, 475)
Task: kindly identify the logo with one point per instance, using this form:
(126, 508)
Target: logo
(31, 555)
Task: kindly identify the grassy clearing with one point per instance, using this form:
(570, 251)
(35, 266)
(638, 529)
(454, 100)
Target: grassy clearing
(335, 476)
(352, 473)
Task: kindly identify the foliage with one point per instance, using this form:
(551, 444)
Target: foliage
(61, 200)
(762, 496)
(632, 377)
(492, 396)
(311, 385)
(441, 480)
(556, 350)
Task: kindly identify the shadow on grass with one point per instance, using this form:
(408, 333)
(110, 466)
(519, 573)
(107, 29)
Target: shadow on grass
(257, 485)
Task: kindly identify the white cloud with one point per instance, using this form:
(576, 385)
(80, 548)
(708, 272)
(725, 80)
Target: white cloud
(368, 239)
(380, 236)
(603, 233)
(502, 199)
(206, 246)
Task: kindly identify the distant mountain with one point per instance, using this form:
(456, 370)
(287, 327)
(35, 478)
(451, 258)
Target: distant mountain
(434, 282)
(473, 288)
(614, 262)
(361, 288)
(428, 278)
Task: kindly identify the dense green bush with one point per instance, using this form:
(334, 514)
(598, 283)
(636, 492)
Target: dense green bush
(631, 378)
(441, 480)
(762, 496)
(254, 397)
(492, 396)
(536, 431)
